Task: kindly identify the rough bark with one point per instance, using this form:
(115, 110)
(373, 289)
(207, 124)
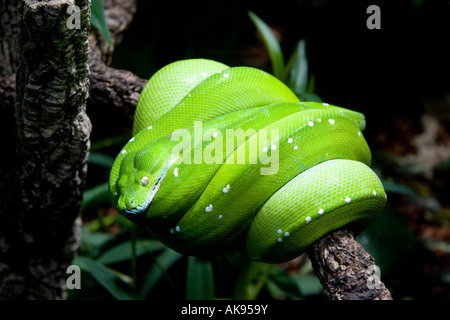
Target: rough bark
(345, 269)
(40, 230)
(45, 134)
(8, 37)
(113, 88)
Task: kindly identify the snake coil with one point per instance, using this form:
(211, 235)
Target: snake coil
(226, 156)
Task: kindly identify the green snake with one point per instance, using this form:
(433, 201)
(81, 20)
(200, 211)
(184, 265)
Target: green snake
(229, 156)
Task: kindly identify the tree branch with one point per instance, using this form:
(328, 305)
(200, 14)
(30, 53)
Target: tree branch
(345, 269)
(112, 87)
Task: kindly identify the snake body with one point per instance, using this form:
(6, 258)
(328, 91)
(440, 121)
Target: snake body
(226, 156)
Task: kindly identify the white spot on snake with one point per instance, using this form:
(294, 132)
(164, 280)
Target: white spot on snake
(359, 133)
(331, 121)
(319, 120)
(226, 189)
(320, 211)
(149, 127)
(290, 140)
(132, 139)
(226, 75)
(175, 172)
(177, 228)
(374, 193)
(308, 219)
(296, 147)
(124, 151)
(220, 217)
(273, 147)
(204, 74)
(115, 193)
(265, 149)
(280, 240)
(279, 231)
(209, 208)
(326, 104)
(287, 234)
(310, 123)
(215, 134)
(348, 199)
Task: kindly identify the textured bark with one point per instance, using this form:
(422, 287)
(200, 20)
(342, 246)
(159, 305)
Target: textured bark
(45, 134)
(40, 231)
(8, 37)
(112, 87)
(345, 269)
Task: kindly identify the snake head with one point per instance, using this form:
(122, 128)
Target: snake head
(141, 174)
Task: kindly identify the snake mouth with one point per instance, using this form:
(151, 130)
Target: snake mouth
(141, 209)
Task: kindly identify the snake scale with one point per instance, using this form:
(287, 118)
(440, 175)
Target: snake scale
(224, 156)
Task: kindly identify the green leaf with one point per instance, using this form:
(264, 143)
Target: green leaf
(200, 279)
(164, 261)
(91, 242)
(271, 43)
(274, 290)
(98, 19)
(390, 186)
(251, 280)
(299, 71)
(96, 196)
(122, 251)
(282, 285)
(116, 283)
(389, 240)
(308, 284)
(101, 160)
(109, 142)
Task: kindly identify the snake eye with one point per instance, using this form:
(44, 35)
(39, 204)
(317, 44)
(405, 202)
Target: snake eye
(145, 181)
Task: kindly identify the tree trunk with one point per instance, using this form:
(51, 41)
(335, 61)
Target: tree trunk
(47, 168)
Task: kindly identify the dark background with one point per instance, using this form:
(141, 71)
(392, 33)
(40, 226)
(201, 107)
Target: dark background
(379, 72)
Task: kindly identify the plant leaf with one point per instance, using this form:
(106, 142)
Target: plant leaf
(116, 283)
(200, 279)
(164, 261)
(271, 43)
(98, 19)
(98, 195)
(101, 160)
(252, 277)
(122, 251)
(299, 71)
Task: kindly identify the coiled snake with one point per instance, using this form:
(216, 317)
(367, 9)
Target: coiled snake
(226, 156)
